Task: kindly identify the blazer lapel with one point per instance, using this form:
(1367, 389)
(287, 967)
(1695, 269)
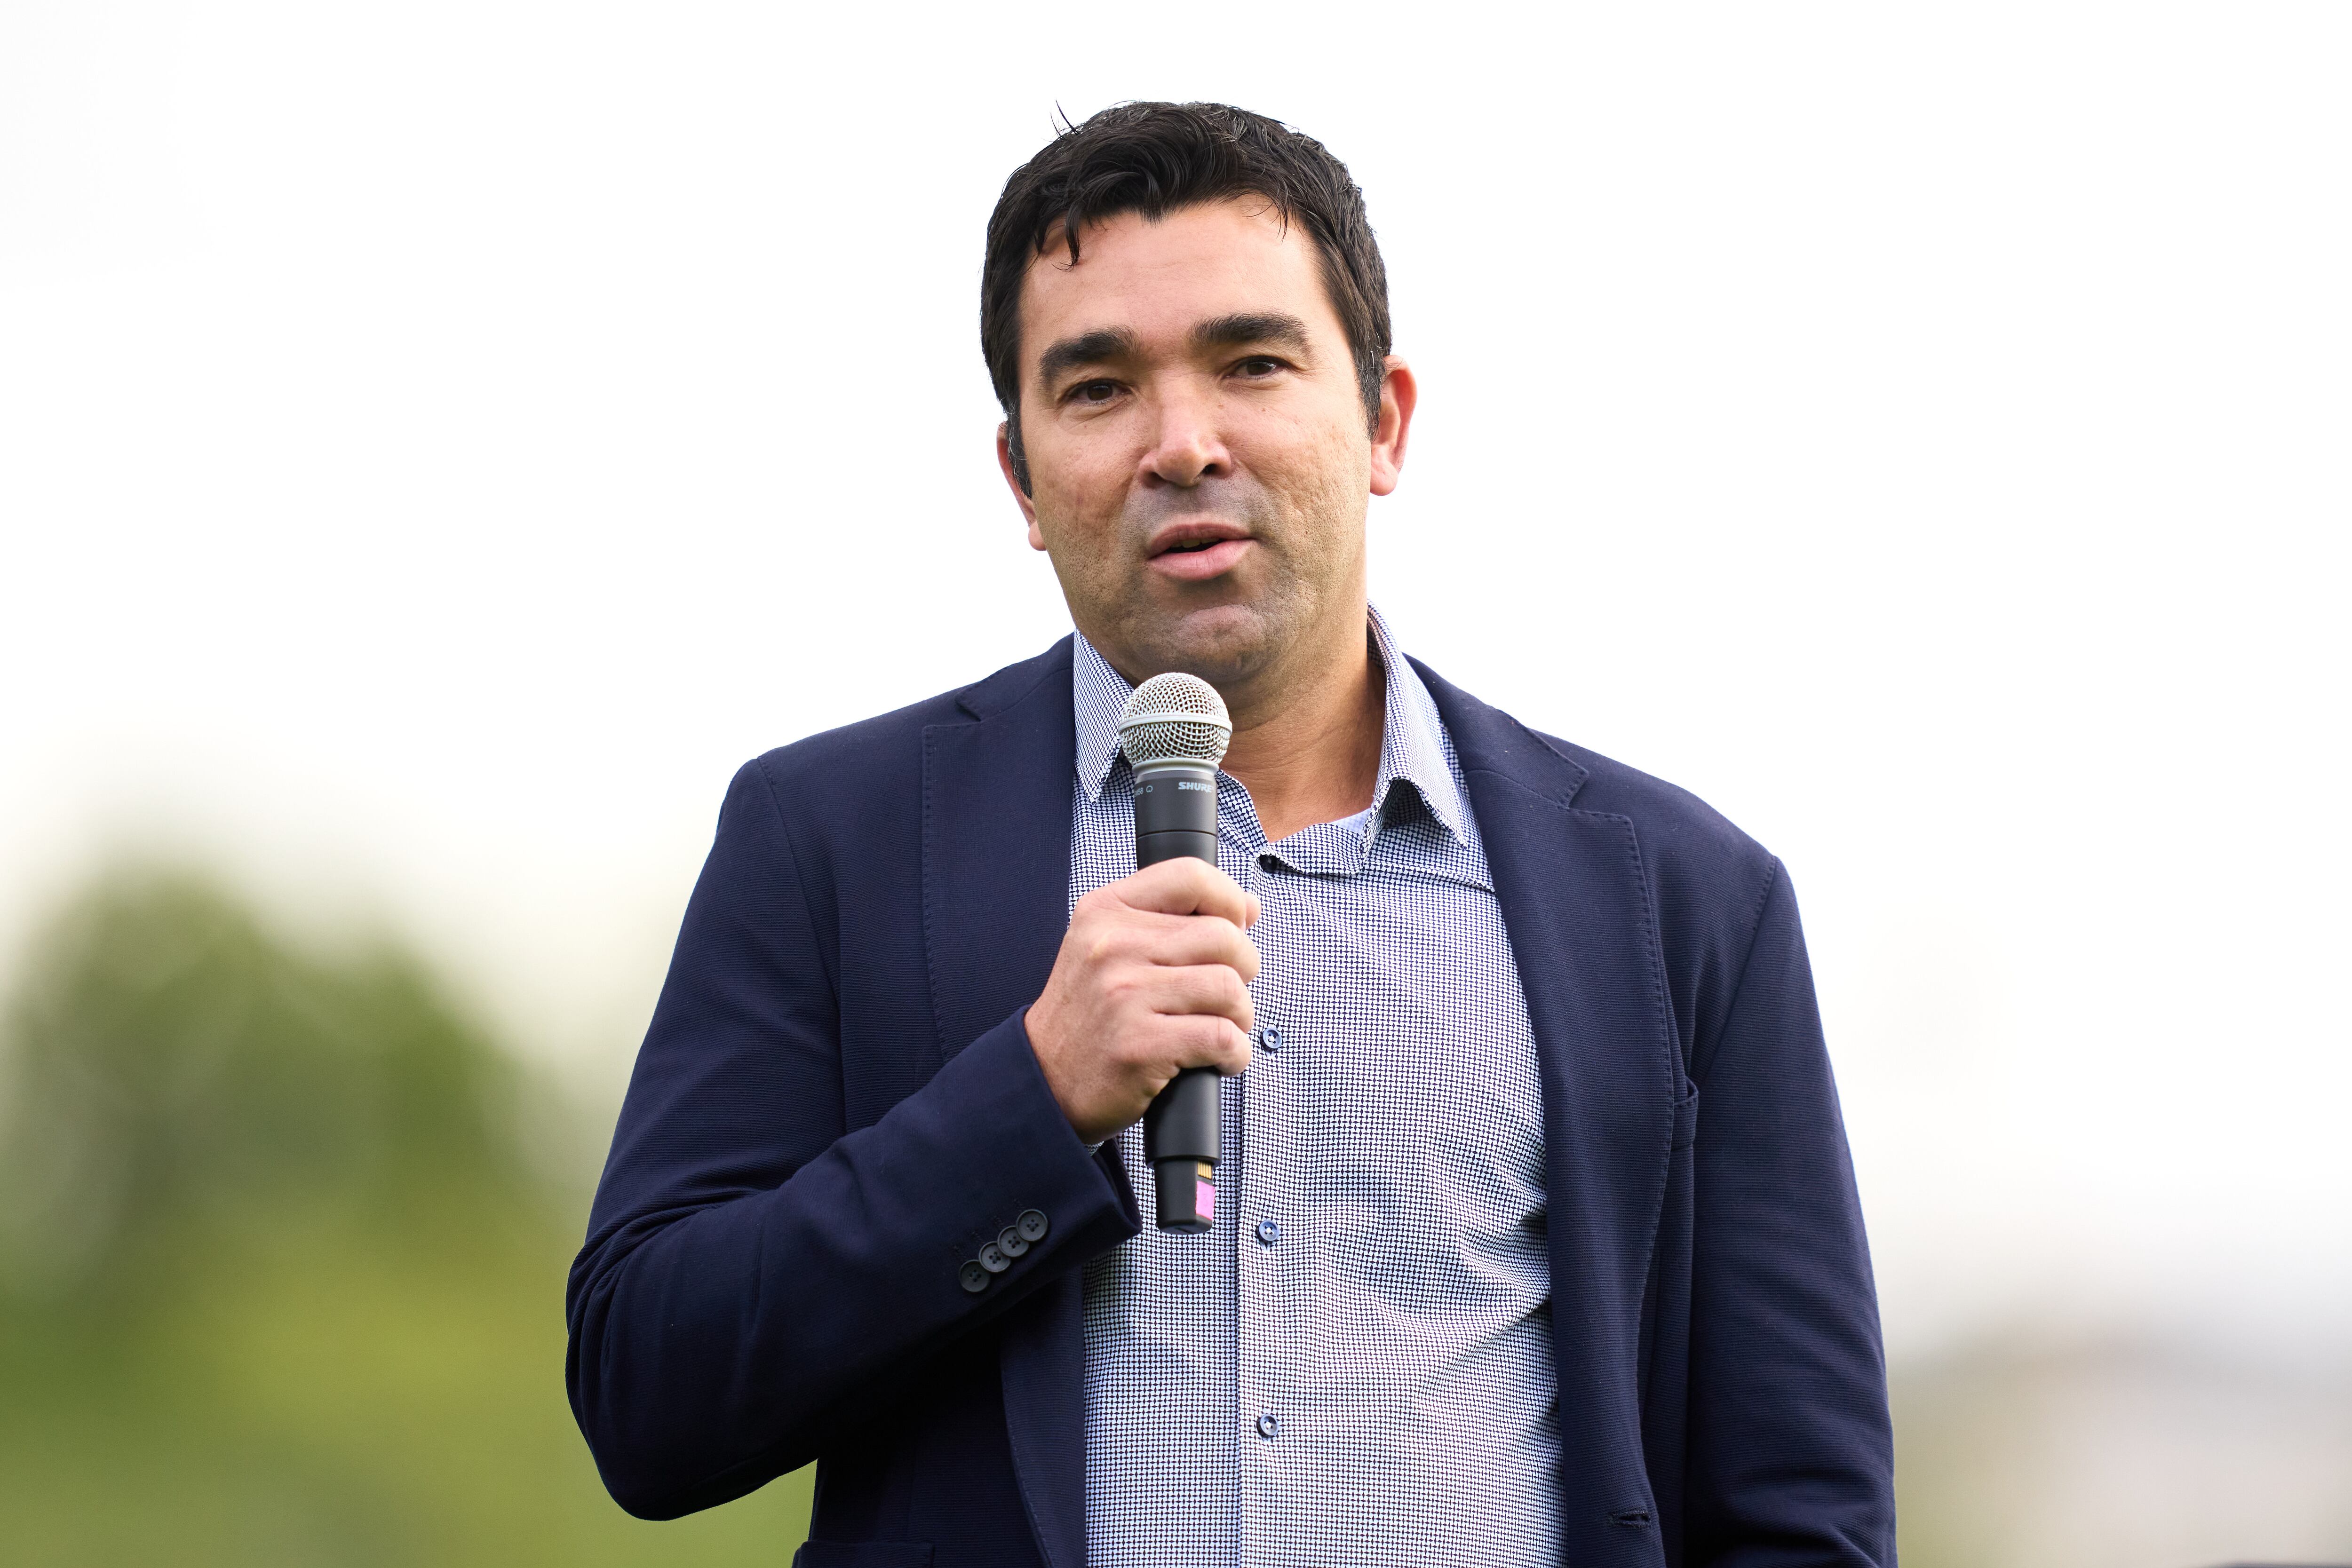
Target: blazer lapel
(996, 845)
(1576, 902)
(996, 892)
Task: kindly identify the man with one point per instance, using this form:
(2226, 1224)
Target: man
(1536, 1240)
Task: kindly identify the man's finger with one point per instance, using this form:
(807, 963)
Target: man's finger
(1203, 990)
(1206, 1041)
(1187, 886)
(1179, 941)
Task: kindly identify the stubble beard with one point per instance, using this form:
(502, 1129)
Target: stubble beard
(1236, 637)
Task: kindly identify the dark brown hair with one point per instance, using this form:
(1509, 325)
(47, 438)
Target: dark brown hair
(1157, 158)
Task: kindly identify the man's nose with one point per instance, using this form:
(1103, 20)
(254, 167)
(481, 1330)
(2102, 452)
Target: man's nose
(1186, 446)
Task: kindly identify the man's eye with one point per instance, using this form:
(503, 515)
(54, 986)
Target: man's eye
(1094, 392)
(1259, 365)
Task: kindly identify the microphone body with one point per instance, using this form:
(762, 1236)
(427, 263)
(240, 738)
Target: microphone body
(1176, 815)
(1175, 731)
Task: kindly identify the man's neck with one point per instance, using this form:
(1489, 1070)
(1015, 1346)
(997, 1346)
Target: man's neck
(1312, 753)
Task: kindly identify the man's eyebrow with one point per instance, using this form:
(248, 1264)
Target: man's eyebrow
(1272, 329)
(1095, 348)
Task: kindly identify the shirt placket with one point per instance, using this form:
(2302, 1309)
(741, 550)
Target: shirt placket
(1273, 1429)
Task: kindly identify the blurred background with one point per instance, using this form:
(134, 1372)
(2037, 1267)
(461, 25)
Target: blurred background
(438, 443)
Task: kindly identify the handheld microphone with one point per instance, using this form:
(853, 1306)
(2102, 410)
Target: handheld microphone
(1175, 731)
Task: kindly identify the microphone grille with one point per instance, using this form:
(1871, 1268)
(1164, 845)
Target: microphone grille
(1174, 718)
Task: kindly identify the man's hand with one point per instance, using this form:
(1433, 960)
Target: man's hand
(1151, 977)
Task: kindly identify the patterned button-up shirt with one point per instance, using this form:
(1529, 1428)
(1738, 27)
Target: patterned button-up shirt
(1354, 1365)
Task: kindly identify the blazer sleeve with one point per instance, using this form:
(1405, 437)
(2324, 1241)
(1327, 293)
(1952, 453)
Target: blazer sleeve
(1790, 1454)
(755, 1270)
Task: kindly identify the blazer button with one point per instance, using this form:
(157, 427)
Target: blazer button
(1011, 1242)
(992, 1259)
(974, 1278)
(1032, 1225)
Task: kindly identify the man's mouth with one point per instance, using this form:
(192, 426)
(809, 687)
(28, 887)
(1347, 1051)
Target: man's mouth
(1198, 535)
(1194, 552)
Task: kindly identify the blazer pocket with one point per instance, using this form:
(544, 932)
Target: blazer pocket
(1687, 1121)
(864, 1554)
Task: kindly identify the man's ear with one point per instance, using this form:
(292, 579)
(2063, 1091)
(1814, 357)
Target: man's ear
(1016, 470)
(1398, 394)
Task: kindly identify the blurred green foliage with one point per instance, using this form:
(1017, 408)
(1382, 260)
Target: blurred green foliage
(280, 1282)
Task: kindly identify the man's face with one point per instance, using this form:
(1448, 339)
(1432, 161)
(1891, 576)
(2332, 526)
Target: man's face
(1196, 441)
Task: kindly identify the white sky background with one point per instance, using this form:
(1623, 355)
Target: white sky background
(439, 441)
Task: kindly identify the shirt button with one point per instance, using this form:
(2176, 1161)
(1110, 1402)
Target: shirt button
(1269, 1426)
(1269, 1231)
(1270, 1037)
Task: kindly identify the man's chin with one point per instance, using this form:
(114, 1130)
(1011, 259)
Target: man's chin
(1223, 644)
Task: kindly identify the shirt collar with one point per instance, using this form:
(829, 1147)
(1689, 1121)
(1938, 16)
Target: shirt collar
(1412, 739)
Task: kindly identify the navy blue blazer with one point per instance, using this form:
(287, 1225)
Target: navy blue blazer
(837, 1103)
